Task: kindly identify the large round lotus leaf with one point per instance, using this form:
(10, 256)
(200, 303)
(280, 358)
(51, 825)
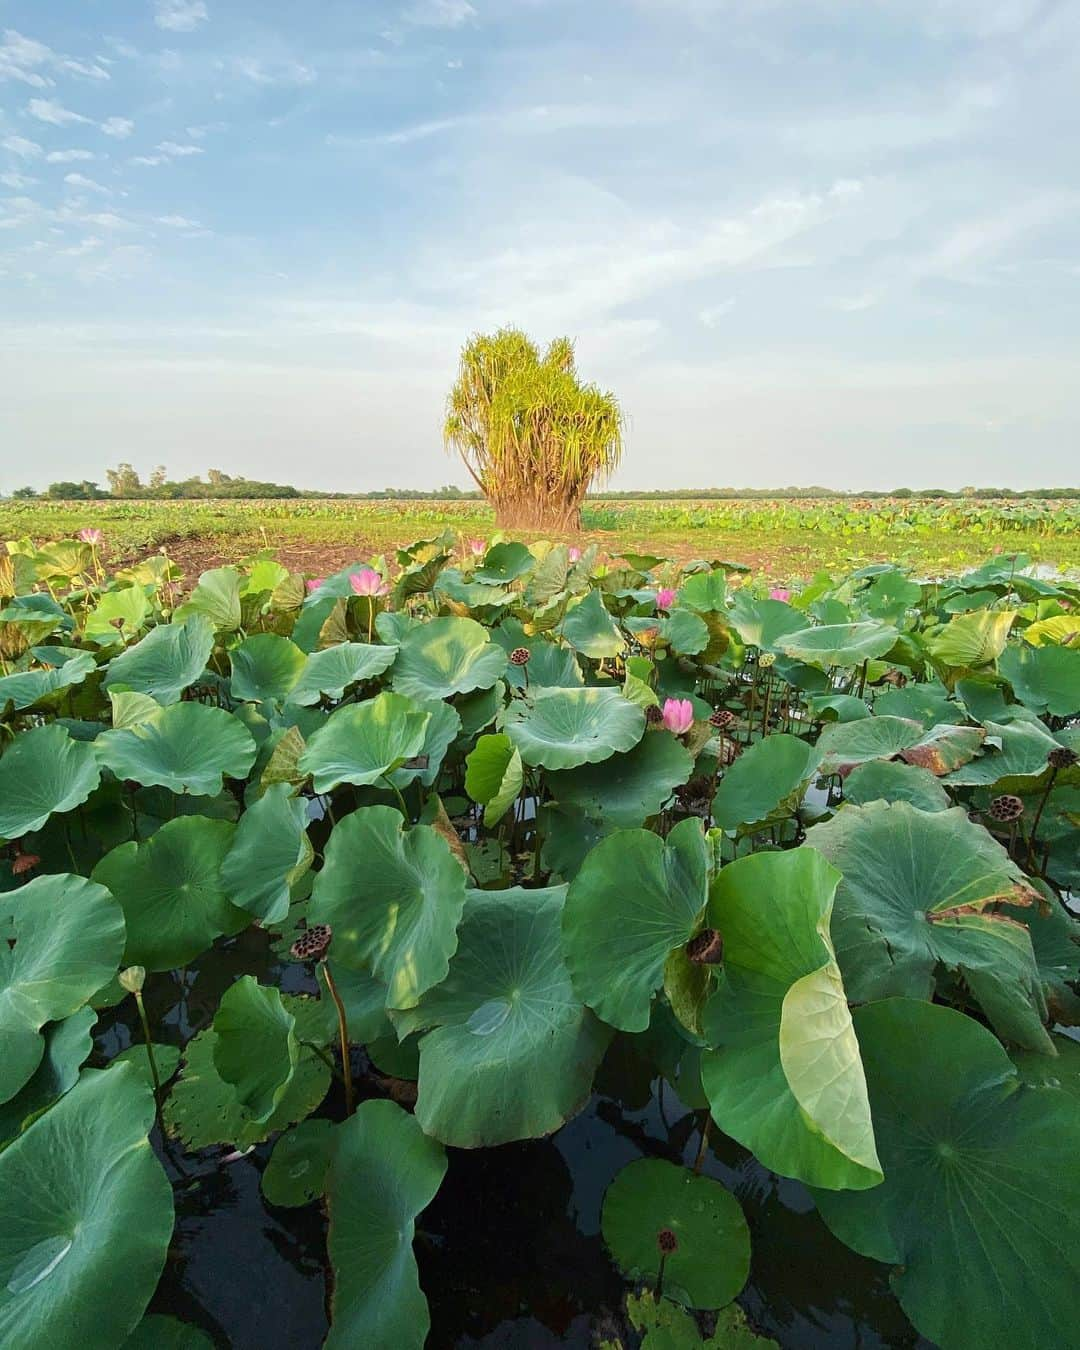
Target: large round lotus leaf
(1045, 679)
(562, 728)
(168, 660)
(86, 1214)
(443, 728)
(42, 771)
(515, 1050)
(590, 629)
(187, 747)
(626, 789)
(67, 1047)
(503, 563)
(125, 609)
(202, 1109)
(889, 781)
(385, 1170)
(839, 644)
(711, 1260)
(705, 591)
(31, 686)
(975, 639)
(762, 623)
(217, 596)
(255, 1045)
(171, 891)
(979, 1211)
(362, 742)
(446, 657)
(550, 666)
(60, 940)
(925, 703)
(921, 889)
(766, 782)
(296, 1172)
(786, 1080)
(265, 668)
(635, 898)
(330, 672)
(493, 775)
(269, 854)
(393, 898)
(842, 745)
(158, 1332)
(1011, 750)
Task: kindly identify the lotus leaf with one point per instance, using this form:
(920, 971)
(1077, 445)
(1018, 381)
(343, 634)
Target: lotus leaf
(168, 660)
(786, 1080)
(922, 889)
(446, 657)
(1045, 679)
(67, 1047)
(269, 853)
(1012, 749)
(971, 640)
(514, 1050)
(635, 898)
(61, 938)
(330, 672)
(296, 1172)
(503, 563)
(705, 591)
(979, 1213)
(562, 728)
(217, 597)
(590, 629)
(711, 1259)
(31, 686)
(265, 668)
(944, 748)
(120, 613)
(767, 782)
(43, 771)
(393, 898)
(186, 747)
(443, 728)
(255, 1045)
(82, 1196)
(891, 781)
(839, 644)
(626, 789)
(157, 1332)
(493, 775)
(843, 745)
(363, 742)
(763, 623)
(384, 1172)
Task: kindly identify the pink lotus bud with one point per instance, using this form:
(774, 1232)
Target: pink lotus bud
(779, 593)
(574, 554)
(90, 536)
(367, 582)
(678, 715)
(478, 547)
(314, 583)
(665, 597)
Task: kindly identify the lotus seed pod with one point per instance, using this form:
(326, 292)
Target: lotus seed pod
(1006, 807)
(667, 1241)
(132, 979)
(721, 718)
(313, 944)
(706, 948)
(653, 715)
(24, 862)
(1061, 758)
(766, 659)
(519, 656)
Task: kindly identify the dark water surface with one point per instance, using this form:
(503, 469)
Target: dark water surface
(510, 1251)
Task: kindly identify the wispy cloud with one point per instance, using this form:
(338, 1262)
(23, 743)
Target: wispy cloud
(17, 181)
(21, 58)
(48, 110)
(19, 145)
(118, 127)
(178, 222)
(78, 180)
(272, 71)
(712, 314)
(178, 151)
(180, 16)
(68, 156)
(107, 220)
(438, 13)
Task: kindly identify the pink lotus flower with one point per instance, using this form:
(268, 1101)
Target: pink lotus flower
(367, 582)
(574, 554)
(478, 547)
(678, 715)
(665, 597)
(314, 583)
(779, 593)
(90, 536)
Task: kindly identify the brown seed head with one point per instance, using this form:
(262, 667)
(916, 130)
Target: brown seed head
(721, 718)
(1006, 808)
(1062, 757)
(519, 656)
(653, 715)
(706, 948)
(313, 944)
(24, 862)
(667, 1241)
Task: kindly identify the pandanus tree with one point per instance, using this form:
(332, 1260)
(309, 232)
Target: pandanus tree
(533, 436)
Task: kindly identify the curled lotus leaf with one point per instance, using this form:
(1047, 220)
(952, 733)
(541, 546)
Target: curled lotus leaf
(446, 657)
(269, 853)
(562, 728)
(265, 668)
(839, 644)
(766, 782)
(186, 747)
(43, 771)
(843, 745)
(168, 660)
(330, 672)
(255, 1045)
(29, 687)
(363, 742)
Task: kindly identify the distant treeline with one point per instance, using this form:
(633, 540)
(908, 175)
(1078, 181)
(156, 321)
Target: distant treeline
(124, 482)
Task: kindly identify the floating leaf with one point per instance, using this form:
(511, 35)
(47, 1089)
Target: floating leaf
(168, 660)
(384, 1172)
(269, 853)
(786, 1081)
(186, 747)
(43, 771)
(329, 673)
(766, 783)
(362, 742)
(626, 789)
(296, 1172)
(445, 657)
(979, 1212)
(561, 728)
(82, 1196)
(1012, 750)
(514, 1050)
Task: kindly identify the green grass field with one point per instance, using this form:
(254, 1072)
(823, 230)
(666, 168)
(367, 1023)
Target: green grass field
(780, 540)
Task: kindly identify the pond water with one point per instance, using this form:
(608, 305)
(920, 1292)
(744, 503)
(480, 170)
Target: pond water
(510, 1251)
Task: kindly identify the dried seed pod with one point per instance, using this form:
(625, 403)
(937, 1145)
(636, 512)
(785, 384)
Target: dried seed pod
(706, 948)
(667, 1241)
(1062, 757)
(519, 656)
(721, 718)
(653, 715)
(1006, 808)
(313, 944)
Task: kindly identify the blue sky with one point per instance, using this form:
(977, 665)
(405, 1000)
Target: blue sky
(806, 241)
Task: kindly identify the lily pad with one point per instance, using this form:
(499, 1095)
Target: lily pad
(979, 1212)
(268, 855)
(514, 1050)
(393, 898)
(296, 1172)
(562, 728)
(445, 657)
(61, 938)
(81, 1196)
(839, 644)
(186, 747)
(43, 771)
(385, 1170)
(329, 673)
(265, 668)
(626, 789)
(786, 1079)
(362, 742)
(711, 1258)
(767, 782)
(255, 1045)
(168, 660)
(922, 889)
(635, 898)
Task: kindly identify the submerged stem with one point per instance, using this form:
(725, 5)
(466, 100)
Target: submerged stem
(343, 1033)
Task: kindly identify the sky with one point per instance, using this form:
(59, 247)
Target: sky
(804, 241)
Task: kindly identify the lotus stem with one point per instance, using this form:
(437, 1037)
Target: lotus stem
(1038, 816)
(401, 800)
(343, 1033)
(699, 1161)
(149, 1045)
(862, 677)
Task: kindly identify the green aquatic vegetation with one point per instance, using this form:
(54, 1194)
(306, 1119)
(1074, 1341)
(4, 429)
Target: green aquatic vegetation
(504, 813)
